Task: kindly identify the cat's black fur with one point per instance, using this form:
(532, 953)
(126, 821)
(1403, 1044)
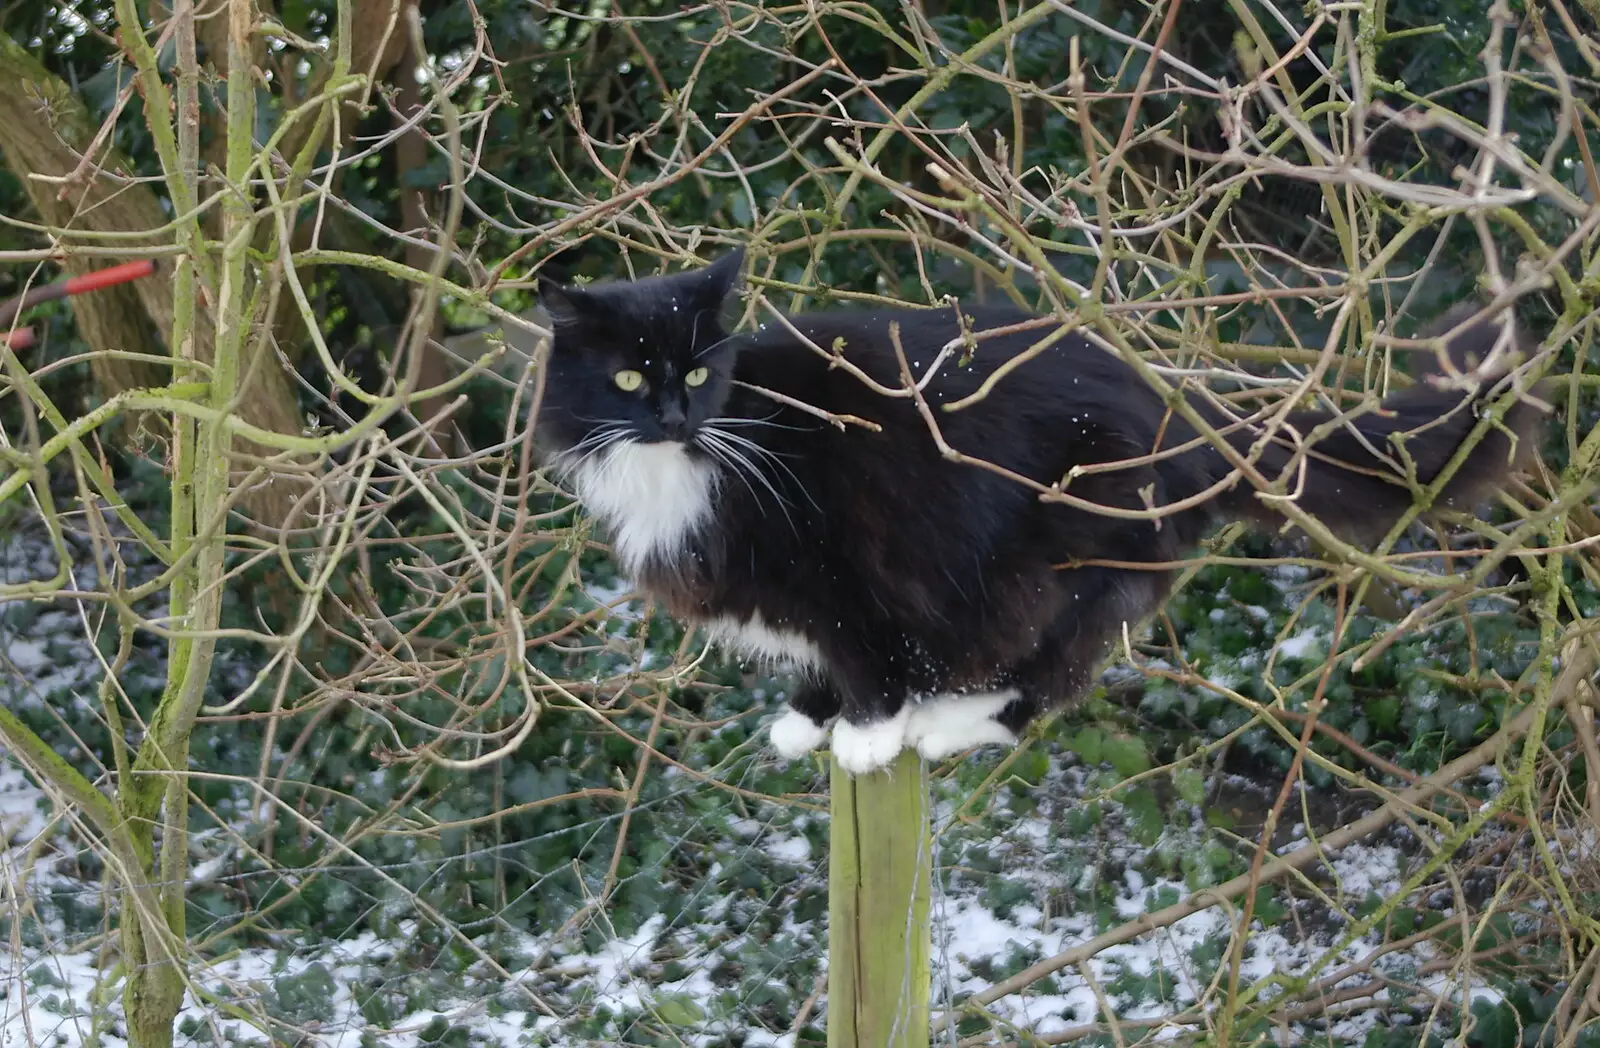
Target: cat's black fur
(913, 575)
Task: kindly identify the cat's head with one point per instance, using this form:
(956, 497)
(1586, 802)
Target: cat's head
(644, 360)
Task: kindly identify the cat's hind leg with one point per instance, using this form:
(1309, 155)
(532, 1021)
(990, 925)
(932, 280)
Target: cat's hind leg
(942, 725)
(1063, 667)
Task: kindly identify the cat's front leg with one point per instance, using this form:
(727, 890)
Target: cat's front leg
(874, 712)
(863, 744)
(866, 746)
(803, 726)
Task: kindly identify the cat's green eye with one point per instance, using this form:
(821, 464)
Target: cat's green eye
(628, 380)
(697, 377)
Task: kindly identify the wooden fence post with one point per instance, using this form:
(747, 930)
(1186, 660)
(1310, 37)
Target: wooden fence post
(880, 870)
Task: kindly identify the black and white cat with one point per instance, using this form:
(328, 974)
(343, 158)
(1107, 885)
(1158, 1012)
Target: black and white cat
(922, 600)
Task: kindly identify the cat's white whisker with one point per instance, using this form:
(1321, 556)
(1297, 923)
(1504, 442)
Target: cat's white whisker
(767, 421)
(569, 462)
(771, 456)
(711, 448)
(738, 461)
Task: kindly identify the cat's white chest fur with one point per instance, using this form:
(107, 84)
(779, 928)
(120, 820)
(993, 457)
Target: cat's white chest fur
(653, 497)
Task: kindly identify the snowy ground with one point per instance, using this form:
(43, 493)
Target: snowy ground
(1022, 885)
(49, 990)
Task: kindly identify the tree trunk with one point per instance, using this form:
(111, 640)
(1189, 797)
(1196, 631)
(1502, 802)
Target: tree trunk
(153, 994)
(43, 129)
(43, 126)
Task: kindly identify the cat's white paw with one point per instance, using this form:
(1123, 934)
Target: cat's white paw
(794, 734)
(947, 724)
(940, 743)
(926, 716)
(861, 748)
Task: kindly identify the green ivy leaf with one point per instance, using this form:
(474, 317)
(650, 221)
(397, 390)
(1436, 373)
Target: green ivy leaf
(1144, 815)
(1462, 721)
(1496, 1026)
(1268, 910)
(1190, 784)
(1384, 713)
(1089, 745)
(1127, 755)
(679, 1010)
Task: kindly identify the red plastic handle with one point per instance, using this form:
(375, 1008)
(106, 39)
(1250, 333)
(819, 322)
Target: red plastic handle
(106, 277)
(21, 338)
(100, 278)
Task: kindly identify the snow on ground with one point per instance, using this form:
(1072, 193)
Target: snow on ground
(20, 818)
(49, 991)
(970, 936)
(1301, 644)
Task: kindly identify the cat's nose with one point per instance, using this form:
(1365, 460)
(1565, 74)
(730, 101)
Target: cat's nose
(673, 422)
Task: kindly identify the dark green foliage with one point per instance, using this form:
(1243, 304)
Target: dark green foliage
(301, 998)
(1406, 706)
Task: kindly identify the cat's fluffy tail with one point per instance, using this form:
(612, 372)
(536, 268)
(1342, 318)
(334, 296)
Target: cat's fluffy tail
(1353, 477)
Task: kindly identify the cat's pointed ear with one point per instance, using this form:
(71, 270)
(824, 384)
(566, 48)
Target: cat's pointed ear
(560, 301)
(722, 277)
